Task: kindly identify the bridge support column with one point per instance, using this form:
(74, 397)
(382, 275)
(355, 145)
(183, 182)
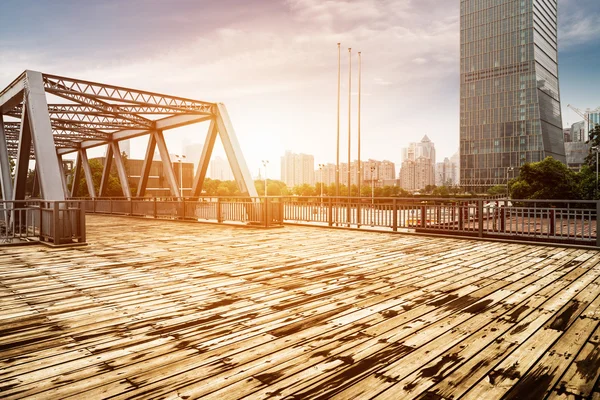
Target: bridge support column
(43, 140)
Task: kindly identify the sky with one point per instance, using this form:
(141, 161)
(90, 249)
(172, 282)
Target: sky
(273, 63)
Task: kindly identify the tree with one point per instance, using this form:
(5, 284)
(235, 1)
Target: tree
(440, 191)
(548, 179)
(496, 190)
(113, 187)
(594, 141)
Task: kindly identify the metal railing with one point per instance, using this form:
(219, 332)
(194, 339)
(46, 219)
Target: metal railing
(235, 210)
(566, 221)
(56, 222)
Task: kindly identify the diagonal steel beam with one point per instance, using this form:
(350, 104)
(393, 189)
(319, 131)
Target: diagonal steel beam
(12, 95)
(146, 166)
(76, 176)
(121, 169)
(234, 152)
(209, 144)
(85, 110)
(61, 90)
(106, 170)
(89, 178)
(22, 161)
(5, 176)
(128, 95)
(167, 164)
(41, 134)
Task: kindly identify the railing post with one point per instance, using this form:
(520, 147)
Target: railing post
(394, 216)
(329, 212)
(130, 206)
(82, 233)
(94, 205)
(358, 212)
(154, 208)
(219, 215)
(55, 219)
(41, 220)
(480, 216)
(552, 222)
(423, 216)
(502, 218)
(597, 224)
(110, 209)
(266, 212)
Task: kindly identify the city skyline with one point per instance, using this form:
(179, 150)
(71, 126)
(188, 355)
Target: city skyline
(252, 58)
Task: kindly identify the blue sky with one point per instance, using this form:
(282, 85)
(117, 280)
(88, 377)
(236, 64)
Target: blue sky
(274, 63)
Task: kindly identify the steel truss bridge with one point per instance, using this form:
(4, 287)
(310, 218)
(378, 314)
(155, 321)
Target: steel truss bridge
(95, 114)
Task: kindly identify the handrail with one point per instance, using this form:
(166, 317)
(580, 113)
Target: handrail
(573, 221)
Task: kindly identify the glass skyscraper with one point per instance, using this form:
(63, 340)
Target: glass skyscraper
(509, 95)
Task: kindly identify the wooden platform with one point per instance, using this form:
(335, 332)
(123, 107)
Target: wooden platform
(160, 309)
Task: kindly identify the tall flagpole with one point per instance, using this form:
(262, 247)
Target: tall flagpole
(359, 172)
(349, 114)
(337, 159)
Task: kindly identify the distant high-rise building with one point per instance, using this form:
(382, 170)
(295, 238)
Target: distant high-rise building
(407, 175)
(377, 173)
(594, 119)
(418, 165)
(455, 160)
(445, 173)
(220, 169)
(424, 148)
(578, 133)
(125, 147)
(509, 96)
(297, 169)
(326, 174)
(576, 148)
(567, 134)
(192, 152)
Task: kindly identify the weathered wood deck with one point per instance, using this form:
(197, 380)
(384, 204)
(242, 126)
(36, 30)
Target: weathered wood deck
(158, 309)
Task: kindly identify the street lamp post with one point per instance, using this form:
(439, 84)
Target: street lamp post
(596, 149)
(265, 163)
(373, 168)
(180, 158)
(507, 185)
(321, 166)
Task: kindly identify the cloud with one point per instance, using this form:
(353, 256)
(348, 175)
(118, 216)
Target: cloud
(578, 23)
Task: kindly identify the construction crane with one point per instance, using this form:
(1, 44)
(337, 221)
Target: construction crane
(584, 115)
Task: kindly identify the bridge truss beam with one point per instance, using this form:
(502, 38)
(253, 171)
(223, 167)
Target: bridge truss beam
(96, 114)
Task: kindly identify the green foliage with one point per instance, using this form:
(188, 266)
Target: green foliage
(548, 179)
(113, 188)
(274, 188)
(496, 190)
(440, 191)
(594, 141)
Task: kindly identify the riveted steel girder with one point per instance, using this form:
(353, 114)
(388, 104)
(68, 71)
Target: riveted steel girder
(96, 114)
